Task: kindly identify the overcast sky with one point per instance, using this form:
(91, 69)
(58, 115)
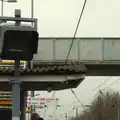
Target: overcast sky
(58, 18)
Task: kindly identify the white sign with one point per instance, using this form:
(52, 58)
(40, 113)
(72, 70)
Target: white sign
(42, 101)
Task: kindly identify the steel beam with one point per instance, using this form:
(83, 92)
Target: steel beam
(17, 19)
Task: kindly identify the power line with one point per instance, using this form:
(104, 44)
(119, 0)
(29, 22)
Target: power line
(53, 94)
(76, 31)
(48, 107)
(45, 112)
(73, 42)
(55, 111)
(69, 112)
(72, 45)
(109, 85)
(77, 98)
(100, 85)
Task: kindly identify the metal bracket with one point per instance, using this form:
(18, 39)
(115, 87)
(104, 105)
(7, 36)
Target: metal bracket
(20, 19)
(17, 19)
(17, 13)
(15, 82)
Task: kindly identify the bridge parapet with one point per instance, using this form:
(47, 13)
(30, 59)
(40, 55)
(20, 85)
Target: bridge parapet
(84, 50)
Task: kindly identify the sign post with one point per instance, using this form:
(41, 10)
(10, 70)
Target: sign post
(16, 93)
(16, 83)
(17, 42)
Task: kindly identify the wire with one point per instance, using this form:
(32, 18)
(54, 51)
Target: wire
(77, 98)
(76, 31)
(73, 42)
(53, 94)
(111, 84)
(72, 45)
(54, 111)
(47, 107)
(100, 85)
(45, 112)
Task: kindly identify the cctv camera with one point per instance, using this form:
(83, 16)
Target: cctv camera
(49, 89)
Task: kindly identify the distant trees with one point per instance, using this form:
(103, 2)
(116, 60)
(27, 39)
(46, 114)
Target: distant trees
(104, 107)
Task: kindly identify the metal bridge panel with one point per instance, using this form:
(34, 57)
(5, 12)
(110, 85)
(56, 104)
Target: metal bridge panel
(86, 50)
(62, 48)
(90, 49)
(112, 49)
(45, 50)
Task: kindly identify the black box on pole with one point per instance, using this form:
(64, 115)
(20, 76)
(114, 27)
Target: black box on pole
(18, 42)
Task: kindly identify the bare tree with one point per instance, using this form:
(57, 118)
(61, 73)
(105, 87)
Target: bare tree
(103, 107)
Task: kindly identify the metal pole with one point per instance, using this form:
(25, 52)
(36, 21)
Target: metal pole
(16, 93)
(76, 112)
(1, 15)
(23, 105)
(28, 116)
(2, 7)
(66, 116)
(118, 106)
(32, 9)
(32, 15)
(30, 64)
(16, 82)
(32, 95)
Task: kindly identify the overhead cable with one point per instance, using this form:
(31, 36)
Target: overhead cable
(76, 29)
(53, 94)
(109, 85)
(100, 85)
(77, 98)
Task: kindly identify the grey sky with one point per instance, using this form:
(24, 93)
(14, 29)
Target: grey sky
(58, 18)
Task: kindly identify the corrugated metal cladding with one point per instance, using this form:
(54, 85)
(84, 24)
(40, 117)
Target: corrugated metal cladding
(47, 68)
